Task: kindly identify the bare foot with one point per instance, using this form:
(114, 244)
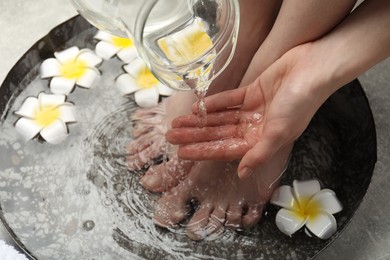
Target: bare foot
(224, 199)
(149, 143)
(149, 136)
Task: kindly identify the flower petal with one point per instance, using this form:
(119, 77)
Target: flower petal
(327, 201)
(67, 54)
(147, 97)
(50, 99)
(27, 128)
(288, 222)
(127, 54)
(126, 84)
(106, 50)
(103, 36)
(89, 57)
(55, 133)
(324, 225)
(28, 108)
(283, 197)
(304, 190)
(307, 232)
(87, 79)
(67, 113)
(164, 90)
(62, 85)
(49, 68)
(134, 67)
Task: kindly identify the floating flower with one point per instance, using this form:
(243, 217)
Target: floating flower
(71, 67)
(46, 115)
(305, 204)
(110, 45)
(140, 80)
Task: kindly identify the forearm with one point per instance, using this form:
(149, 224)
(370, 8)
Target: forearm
(357, 44)
(298, 22)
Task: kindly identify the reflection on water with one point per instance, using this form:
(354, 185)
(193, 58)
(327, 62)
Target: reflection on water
(77, 200)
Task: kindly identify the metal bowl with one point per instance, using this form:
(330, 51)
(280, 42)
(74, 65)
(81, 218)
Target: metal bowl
(77, 200)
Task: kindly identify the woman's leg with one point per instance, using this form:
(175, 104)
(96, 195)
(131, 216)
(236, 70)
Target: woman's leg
(224, 199)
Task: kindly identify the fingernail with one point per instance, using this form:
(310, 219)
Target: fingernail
(245, 173)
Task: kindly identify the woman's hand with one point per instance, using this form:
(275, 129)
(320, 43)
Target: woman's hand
(275, 109)
(256, 121)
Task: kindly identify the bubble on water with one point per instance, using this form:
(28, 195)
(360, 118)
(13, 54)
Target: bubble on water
(119, 187)
(88, 225)
(16, 145)
(107, 202)
(116, 178)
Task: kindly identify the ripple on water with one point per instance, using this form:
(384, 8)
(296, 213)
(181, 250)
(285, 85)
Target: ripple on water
(77, 200)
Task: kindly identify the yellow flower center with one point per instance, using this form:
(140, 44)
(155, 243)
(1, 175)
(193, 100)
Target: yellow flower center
(146, 79)
(73, 69)
(122, 42)
(46, 115)
(307, 209)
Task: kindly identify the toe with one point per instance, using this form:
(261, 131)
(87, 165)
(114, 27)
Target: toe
(139, 144)
(163, 177)
(216, 221)
(196, 226)
(170, 209)
(253, 216)
(153, 180)
(140, 129)
(144, 157)
(234, 217)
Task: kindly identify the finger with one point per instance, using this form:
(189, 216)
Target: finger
(212, 119)
(205, 134)
(224, 150)
(262, 152)
(223, 100)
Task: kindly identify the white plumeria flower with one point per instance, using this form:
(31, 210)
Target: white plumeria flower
(71, 67)
(140, 80)
(46, 115)
(110, 45)
(305, 204)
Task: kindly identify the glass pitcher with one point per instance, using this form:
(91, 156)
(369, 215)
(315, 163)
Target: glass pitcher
(185, 43)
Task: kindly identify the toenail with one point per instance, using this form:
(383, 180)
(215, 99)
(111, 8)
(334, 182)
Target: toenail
(215, 218)
(234, 226)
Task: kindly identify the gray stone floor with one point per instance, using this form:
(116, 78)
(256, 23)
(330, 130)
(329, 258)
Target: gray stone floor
(23, 22)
